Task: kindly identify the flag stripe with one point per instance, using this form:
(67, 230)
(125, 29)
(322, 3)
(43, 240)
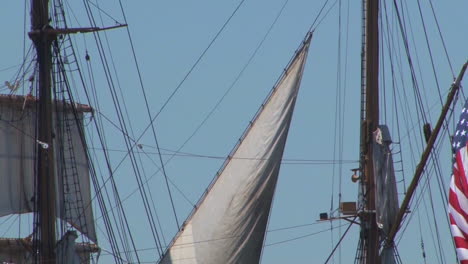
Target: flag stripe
(461, 242)
(453, 223)
(462, 252)
(456, 187)
(459, 222)
(458, 201)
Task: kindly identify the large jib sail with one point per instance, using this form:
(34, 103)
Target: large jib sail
(229, 222)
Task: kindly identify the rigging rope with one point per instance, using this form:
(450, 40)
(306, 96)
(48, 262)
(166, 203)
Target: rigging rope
(173, 93)
(266, 245)
(149, 115)
(441, 39)
(191, 69)
(286, 161)
(221, 99)
(341, 239)
(113, 242)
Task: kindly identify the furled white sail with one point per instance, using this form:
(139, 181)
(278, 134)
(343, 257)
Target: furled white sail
(229, 223)
(17, 165)
(386, 196)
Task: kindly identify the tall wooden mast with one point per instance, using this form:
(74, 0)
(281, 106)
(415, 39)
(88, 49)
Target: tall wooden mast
(42, 37)
(369, 227)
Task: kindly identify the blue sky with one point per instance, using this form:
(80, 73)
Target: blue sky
(168, 38)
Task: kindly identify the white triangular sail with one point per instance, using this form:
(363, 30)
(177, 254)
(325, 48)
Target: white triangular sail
(229, 223)
(17, 163)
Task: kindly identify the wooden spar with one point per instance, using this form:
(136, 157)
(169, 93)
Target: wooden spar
(61, 31)
(369, 225)
(425, 157)
(45, 157)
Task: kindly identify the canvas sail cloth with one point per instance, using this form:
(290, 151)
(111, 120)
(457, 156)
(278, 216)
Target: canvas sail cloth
(229, 223)
(386, 196)
(17, 162)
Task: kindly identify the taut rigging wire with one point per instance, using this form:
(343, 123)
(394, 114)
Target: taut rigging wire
(226, 92)
(442, 39)
(113, 242)
(191, 69)
(99, 188)
(266, 245)
(140, 79)
(173, 93)
(341, 239)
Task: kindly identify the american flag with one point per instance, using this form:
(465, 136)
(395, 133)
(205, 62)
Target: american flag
(458, 201)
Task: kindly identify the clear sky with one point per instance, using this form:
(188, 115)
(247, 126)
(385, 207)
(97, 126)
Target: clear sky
(170, 36)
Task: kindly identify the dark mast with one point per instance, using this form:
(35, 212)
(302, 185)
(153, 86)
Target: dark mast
(369, 229)
(42, 36)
